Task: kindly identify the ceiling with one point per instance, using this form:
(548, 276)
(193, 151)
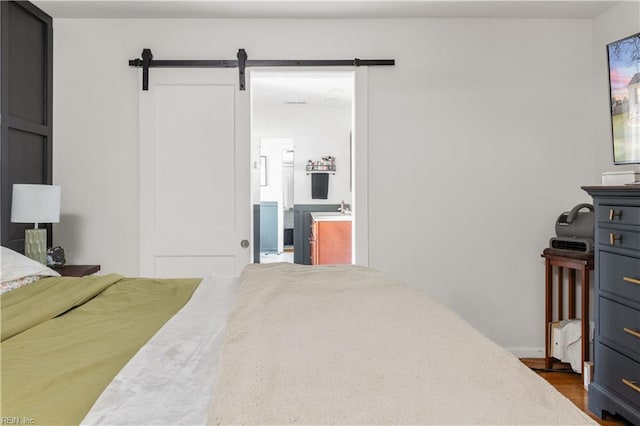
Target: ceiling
(328, 9)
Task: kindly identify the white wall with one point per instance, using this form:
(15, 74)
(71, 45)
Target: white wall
(478, 138)
(317, 131)
(617, 22)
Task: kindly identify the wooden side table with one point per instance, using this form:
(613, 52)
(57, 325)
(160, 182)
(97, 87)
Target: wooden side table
(77, 270)
(573, 261)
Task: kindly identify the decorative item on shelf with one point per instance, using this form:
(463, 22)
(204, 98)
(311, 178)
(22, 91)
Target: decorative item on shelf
(56, 257)
(327, 164)
(622, 177)
(35, 204)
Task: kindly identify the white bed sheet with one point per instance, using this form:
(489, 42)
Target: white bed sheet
(172, 379)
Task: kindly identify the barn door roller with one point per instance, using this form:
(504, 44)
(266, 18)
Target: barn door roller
(242, 62)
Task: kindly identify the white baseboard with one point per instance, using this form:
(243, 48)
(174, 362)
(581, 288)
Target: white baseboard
(527, 352)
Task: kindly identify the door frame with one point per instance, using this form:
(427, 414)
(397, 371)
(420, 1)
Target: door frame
(359, 170)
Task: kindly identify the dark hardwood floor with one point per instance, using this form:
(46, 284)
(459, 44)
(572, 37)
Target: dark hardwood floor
(571, 386)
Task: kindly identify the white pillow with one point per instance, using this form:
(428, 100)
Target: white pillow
(16, 266)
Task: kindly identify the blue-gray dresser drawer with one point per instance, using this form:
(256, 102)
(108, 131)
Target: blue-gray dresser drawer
(616, 385)
(628, 215)
(619, 275)
(620, 326)
(618, 373)
(619, 238)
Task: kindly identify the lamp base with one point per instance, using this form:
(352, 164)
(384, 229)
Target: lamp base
(35, 245)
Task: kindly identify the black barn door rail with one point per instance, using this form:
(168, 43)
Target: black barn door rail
(242, 62)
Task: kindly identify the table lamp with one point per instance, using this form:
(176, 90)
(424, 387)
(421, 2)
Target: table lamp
(35, 204)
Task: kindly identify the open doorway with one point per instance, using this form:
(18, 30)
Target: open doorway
(301, 132)
(276, 200)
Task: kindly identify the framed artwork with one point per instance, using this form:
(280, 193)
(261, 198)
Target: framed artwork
(624, 84)
(263, 170)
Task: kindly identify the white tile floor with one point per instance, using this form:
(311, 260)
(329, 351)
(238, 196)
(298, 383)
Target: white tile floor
(276, 257)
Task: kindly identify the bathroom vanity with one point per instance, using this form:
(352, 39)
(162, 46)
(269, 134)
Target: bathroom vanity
(330, 240)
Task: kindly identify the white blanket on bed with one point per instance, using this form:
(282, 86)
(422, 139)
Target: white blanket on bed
(171, 380)
(350, 345)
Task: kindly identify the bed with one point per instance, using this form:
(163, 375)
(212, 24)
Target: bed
(281, 344)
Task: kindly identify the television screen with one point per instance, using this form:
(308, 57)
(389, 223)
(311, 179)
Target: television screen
(624, 83)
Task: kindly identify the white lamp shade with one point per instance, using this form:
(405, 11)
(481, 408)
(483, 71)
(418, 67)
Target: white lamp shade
(35, 203)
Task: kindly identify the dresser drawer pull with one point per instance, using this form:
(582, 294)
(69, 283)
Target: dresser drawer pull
(631, 280)
(632, 332)
(613, 238)
(613, 214)
(632, 385)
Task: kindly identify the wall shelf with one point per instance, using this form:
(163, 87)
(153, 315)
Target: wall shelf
(327, 164)
(321, 168)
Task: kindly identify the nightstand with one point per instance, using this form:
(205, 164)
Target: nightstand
(77, 270)
(572, 261)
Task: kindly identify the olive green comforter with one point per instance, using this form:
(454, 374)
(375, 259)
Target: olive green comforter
(65, 339)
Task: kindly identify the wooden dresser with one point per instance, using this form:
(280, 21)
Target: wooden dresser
(616, 385)
(330, 240)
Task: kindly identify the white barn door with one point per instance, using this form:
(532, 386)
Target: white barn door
(194, 173)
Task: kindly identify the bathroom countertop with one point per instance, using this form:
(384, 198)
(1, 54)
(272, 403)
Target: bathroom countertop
(330, 216)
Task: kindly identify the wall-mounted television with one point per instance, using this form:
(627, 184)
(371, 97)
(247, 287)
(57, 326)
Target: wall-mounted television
(624, 85)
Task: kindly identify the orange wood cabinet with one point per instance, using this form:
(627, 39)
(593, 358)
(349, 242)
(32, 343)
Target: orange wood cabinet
(330, 242)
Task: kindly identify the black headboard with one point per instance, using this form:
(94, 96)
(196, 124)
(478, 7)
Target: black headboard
(26, 75)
